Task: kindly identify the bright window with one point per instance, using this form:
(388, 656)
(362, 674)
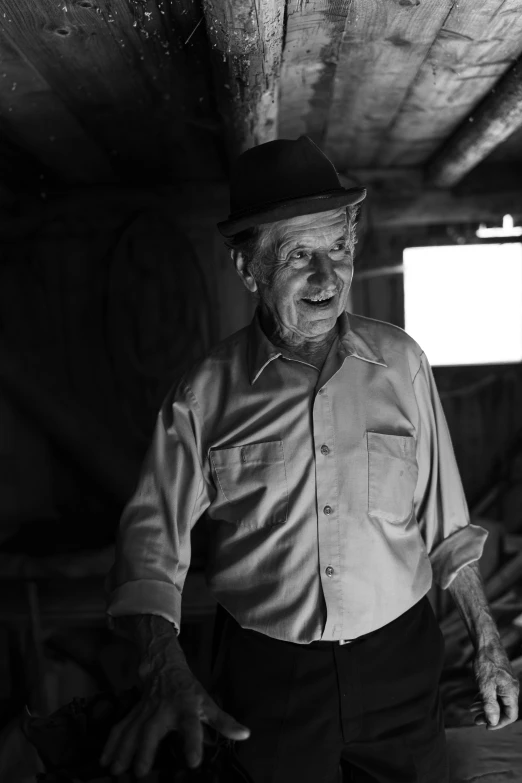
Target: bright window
(463, 303)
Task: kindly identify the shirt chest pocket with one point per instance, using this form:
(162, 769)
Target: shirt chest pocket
(392, 476)
(252, 481)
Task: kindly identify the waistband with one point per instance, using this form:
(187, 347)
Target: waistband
(222, 613)
(401, 618)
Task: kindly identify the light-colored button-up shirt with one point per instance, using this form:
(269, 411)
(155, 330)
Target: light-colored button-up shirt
(330, 498)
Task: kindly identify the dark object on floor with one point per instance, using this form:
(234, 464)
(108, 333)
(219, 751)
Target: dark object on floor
(70, 741)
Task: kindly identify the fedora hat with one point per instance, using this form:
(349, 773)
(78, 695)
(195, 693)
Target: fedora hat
(283, 179)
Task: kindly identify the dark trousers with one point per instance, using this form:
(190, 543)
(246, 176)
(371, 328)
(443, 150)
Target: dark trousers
(372, 706)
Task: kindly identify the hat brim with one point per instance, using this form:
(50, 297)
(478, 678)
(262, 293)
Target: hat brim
(281, 210)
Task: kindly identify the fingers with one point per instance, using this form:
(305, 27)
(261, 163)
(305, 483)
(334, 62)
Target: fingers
(153, 731)
(113, 741)
(123, 740)
(495, 712)
(509, 712)
(139, 734)
(225, 723)
(126, 748)
(477, 711)
(490, 703)
(192, 731)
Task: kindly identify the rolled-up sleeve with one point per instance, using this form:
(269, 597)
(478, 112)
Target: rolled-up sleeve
(440, 504)
(153, 546)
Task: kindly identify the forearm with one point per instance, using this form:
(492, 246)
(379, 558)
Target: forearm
(156, 641)
(467, 590)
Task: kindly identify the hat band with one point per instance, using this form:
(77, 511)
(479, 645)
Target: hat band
(263, 205)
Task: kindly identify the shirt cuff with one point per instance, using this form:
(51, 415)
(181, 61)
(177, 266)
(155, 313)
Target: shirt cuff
(461, 548)
(146, 596)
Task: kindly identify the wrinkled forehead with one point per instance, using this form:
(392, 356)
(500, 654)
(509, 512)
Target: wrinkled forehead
(329, 224)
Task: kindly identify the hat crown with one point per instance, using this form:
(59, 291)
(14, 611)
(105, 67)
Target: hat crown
(278, 171)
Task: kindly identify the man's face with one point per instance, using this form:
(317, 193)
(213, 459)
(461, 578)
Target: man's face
(307, 268)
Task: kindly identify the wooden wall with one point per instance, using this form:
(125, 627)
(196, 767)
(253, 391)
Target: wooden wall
(106, 296)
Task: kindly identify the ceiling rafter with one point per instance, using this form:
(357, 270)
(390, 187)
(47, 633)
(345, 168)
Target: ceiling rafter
(491, 123)
(314, 33)
(246, 37)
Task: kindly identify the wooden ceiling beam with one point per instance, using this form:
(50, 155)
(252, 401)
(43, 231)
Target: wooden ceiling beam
(314, 33)
(496, 118)
(401, 197)
(246, 37)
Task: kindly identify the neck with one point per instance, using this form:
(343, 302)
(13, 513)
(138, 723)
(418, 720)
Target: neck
(311, 351)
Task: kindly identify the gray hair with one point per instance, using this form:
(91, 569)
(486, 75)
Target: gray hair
(251, 242)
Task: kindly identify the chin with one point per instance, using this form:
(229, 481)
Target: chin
(319, 325)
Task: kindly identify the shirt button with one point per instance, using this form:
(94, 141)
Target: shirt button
(327, 510)
(329, 571)
(325, 450)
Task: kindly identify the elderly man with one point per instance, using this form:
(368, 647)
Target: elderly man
(314, 444)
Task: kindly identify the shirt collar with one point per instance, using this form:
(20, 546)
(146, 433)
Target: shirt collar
(353, 338)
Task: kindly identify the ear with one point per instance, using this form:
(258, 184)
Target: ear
(241, 265)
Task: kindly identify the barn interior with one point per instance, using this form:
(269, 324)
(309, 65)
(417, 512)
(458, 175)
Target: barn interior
(119, 121)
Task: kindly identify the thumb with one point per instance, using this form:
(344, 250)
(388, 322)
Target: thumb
(492, 709)
(229, 727)
(225, 724)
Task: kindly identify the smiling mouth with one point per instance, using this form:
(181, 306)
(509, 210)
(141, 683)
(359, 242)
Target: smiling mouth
(318, 303)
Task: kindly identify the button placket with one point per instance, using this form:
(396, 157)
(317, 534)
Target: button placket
(327, 508)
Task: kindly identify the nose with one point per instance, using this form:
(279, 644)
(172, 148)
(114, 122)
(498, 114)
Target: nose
(322, 271)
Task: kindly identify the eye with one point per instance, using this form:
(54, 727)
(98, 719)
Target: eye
(298, 255)
(338, 247)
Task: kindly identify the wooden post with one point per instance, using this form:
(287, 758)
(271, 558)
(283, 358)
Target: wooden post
(246, 37)
(496, 118)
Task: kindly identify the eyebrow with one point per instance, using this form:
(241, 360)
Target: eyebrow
(294, 244)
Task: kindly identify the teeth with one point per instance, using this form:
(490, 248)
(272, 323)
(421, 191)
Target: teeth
(320, 298)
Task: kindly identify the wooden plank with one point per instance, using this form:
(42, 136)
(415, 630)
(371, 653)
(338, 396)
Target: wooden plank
(114, 64)
(478, 43)
(314, 32)
(494, 120)
(42, 125)
(383, 48)
(246, 37)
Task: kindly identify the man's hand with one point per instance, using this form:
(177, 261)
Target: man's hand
(497, 703)
(172, 701)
